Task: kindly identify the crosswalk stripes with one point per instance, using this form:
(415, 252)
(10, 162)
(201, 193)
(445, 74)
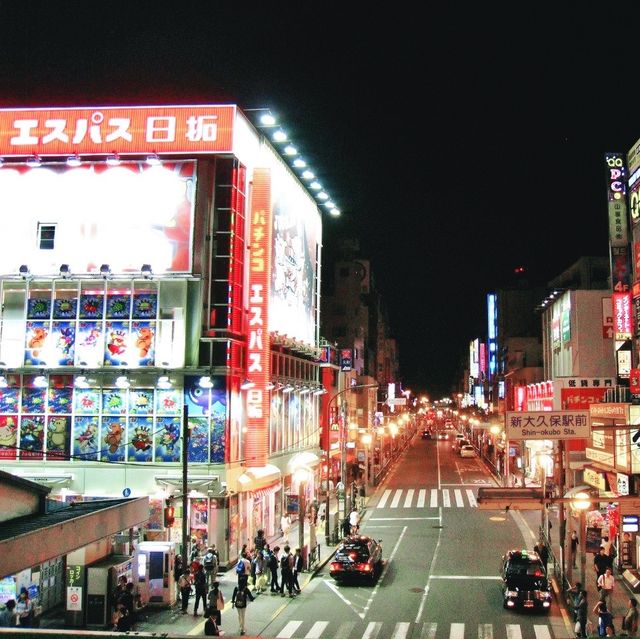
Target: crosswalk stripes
(297, 629)
(412, 498)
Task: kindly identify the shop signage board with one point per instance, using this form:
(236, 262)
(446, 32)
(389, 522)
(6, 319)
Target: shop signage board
(123, 130)
(594, 539)
(557, 424)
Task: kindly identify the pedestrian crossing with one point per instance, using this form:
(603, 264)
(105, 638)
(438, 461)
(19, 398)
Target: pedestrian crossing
(427, 498)
(298, 629)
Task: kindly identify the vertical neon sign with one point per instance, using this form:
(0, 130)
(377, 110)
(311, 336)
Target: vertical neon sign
(492, 332)
(258, 346)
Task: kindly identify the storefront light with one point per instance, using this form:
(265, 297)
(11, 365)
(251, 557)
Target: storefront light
(153, 159)
(164, 382)
(74, 160)
(81, 382)
(3, 381)
(40, 381)
(122, 382)
(205, 382)
(113, 159)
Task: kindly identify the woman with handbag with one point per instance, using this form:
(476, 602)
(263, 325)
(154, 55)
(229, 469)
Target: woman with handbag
(216, 602)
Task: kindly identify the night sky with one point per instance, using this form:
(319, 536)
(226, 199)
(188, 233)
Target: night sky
(458, 144)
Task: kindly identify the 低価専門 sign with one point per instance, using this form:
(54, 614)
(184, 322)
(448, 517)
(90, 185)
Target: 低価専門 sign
(557, 424)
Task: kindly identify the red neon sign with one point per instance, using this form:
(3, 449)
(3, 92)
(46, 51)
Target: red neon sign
(622, 322)
(258, 347)
(122, 130)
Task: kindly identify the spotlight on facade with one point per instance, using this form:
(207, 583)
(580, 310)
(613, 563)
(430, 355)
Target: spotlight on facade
(3, 381)
(65, 271)
(287, 388)
(105, 270)
(74, 160)
(164, 382)
(40, 381)
(247, 384)
(153, 159)
(146, 271)
(122, 382)
(205, 382)
(81, 382)
(34, 161)
(24, 271)
(113, 159)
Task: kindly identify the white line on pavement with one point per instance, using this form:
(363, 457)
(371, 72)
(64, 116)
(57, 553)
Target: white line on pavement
(421, 497)
(457, 631)
(383, 499)
(316, 630)
(409, 498)
(396, 499)
(288, 630)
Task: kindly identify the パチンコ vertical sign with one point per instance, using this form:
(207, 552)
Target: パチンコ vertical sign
(258, 347)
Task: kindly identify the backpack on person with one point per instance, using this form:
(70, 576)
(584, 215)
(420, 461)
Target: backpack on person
(241, 599)
(208, 561)
(240, 567)
(284, 562)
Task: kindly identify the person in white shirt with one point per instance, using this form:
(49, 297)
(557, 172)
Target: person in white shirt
(354, 521)
(606, 584)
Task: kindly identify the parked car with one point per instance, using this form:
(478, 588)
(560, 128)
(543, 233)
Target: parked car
(467, 451)
(524, 581)
(357, 556)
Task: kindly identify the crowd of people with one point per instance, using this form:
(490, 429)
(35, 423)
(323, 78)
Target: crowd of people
(259, 569)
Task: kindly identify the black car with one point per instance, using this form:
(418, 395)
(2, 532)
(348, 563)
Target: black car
(524, 581)
(426, 434)
(357, 556)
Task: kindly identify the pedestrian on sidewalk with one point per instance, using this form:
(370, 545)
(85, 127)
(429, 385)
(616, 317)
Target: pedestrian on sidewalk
(273, 569)
(630, 619)
(605, 618)
(259, 541)
(216, 602)
(8, 616)
(286, 572)
(239, 601)
(285, 525)
(259, 579)
(211, 625)
(361, 496)
(574, 547)
(210, 562)
(298, 565)
(354, 521)
(200, 583)
(606, 584)
(177, 572)
(184, 583)
(600, 564)
(581, 611)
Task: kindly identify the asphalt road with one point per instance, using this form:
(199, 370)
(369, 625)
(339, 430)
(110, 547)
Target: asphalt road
(442, 554)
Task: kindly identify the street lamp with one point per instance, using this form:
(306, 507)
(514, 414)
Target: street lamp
(327, 533)
(581, 502)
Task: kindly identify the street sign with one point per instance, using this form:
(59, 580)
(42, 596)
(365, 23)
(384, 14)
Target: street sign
(555, 424)
(510, 498)
(397, 401)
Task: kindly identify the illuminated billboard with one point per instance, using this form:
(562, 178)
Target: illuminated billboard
(124, 130)
(297, 233)
(95, 214)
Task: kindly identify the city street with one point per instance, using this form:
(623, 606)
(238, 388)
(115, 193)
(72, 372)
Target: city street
(440, 577)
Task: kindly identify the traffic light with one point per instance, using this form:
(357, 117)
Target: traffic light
(169, 515)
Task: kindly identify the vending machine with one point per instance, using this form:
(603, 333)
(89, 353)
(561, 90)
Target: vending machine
(102, 579)
(155, 562)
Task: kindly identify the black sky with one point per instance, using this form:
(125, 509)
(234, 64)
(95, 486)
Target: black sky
(459, 141)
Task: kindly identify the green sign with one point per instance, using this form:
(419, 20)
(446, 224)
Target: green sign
(566, 325)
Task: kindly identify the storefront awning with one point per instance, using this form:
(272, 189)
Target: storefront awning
(258, 477)
(306, 459)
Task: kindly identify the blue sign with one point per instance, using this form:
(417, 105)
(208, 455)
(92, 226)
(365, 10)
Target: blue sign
(126, 492)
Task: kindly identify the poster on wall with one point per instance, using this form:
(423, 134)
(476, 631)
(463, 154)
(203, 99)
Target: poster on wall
(89, 348)
(58, 431)
(117, 341)
(37, 338)
(113, 439)
(140, 439)
(86, 432)
(8, 436)
(31, 437)
(168, 439)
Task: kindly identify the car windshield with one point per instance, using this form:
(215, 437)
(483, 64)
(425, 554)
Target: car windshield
(524, 568)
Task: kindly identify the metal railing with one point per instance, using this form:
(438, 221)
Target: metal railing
(314, 557)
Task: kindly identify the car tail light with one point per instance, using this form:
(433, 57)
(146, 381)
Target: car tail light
(363, 567)
(353, 556)
(336, 565)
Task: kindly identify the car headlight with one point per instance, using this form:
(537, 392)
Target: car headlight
(511, 593)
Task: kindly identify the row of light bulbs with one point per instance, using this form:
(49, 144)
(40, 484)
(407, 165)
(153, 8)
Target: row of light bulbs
(113, 159)
(268, 120)
(82, 381)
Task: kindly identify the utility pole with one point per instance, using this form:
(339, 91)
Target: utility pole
(186, 431)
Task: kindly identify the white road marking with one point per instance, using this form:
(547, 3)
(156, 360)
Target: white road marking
(542, 632)
(446, 499)
(316, 630)
(458, 496)
(457, 631)
(409, 498)
(485, 631)
(344, 630)
(333, 587)
(396, 499)
(434, 498)
(421, 497)
(428, 631)
(401, 630)
(288, 630)
(472, 499)
(383, 499)
(373, 629)
(367, 606)
(489, 577)
(513, 631)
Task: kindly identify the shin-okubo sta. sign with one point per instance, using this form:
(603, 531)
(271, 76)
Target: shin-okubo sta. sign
(557, 424)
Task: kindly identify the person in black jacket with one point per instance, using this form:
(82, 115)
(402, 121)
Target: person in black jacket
(273, 569)
(200, 584)
(298, 565)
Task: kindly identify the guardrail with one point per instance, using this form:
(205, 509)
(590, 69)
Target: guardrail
(314, 557)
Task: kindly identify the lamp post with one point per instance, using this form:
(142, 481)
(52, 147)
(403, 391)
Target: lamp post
(581, 502)
(327, 532)
(366, 440)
